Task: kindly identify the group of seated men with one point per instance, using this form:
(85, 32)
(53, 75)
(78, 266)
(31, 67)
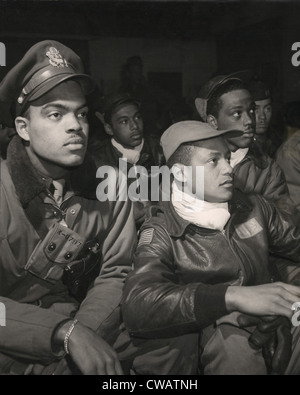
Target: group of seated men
(201, 280)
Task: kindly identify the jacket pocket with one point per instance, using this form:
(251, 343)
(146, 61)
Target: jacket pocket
(60, 246)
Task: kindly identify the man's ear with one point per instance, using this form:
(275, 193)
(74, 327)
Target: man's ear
(22, 125)
(212, 120)
(178, 172)
(108, 129)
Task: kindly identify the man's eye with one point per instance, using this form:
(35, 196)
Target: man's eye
(124, 122)
(236, 114)
(212, 160)
(83, 114)
(54, 115)
(268, 109)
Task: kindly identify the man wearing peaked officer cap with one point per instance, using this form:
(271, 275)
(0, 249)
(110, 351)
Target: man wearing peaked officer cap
(44, 66)
(62, 260)
(201, 268)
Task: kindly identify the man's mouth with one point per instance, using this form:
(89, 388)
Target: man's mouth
(75, 141)
(136, 136)
(261, 126)
(227, 183)
(249, 132)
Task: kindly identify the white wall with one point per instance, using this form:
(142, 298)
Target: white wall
(195, 59)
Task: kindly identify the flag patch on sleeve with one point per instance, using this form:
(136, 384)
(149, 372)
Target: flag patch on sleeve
(248, 229)
(146, 236)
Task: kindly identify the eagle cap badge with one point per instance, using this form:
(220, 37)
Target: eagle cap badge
(55, 58)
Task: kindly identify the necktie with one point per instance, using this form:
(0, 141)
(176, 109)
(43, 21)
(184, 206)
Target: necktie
(58, 190)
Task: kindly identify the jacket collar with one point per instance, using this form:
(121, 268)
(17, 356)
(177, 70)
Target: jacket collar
(29, 183)
(256, 154)
(177, 226)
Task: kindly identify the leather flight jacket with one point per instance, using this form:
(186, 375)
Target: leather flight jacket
(182, 271)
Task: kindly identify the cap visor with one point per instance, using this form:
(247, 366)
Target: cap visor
(230, 133)
(86, 82)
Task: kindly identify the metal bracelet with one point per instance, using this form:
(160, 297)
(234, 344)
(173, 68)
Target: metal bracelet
(67, 336)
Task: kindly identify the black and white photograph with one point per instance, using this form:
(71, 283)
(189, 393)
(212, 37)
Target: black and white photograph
(149, 190)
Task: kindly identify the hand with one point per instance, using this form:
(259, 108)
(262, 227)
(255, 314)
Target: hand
(60, 368)
(263, 300)
(92, 354)
(273, 336)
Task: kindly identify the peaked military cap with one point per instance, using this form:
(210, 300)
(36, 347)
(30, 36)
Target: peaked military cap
(44, 66)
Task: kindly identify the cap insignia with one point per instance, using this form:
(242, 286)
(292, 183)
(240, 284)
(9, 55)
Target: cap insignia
(55, 58)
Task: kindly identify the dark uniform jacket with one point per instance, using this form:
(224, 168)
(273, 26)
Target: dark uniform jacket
(151, 155)
(35, 298)
(258, 173)
(182, 271)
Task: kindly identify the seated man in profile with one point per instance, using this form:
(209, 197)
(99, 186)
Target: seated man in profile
(202, 274)
(225, 101)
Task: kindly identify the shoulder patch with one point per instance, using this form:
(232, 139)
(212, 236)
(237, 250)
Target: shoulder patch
(248, 229)
(146, 236)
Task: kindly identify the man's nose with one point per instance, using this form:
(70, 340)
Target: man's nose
(227, 168)
(133, 124)
(248, 120)
(261, 115)
(73, 122)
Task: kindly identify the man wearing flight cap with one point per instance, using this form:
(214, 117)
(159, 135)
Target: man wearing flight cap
(226, 101)
(64, 255)
(201, 268)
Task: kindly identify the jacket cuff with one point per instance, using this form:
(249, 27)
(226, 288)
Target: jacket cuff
(210, 303)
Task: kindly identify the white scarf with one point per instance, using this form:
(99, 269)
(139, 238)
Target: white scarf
(132, 155)
(199, 212)
(238, 156)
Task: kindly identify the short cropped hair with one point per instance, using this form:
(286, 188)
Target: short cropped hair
(214, 104)
(183, 154)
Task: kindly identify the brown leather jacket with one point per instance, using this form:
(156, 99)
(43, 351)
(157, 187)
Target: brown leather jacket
(181, 271)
